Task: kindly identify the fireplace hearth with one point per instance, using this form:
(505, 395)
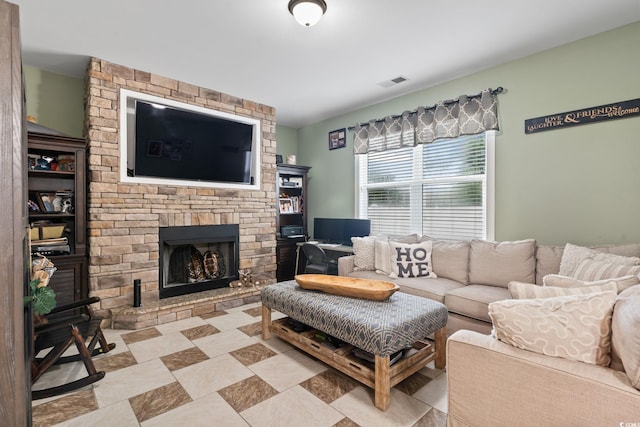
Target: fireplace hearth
(197, 258)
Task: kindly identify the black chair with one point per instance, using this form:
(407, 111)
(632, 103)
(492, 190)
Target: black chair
(65, 326)
(317, 260)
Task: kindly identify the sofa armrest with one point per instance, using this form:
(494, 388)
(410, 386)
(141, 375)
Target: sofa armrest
(346, 264)
(493, 383)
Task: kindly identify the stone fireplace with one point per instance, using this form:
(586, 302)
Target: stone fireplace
(197, 258)
(125, 219)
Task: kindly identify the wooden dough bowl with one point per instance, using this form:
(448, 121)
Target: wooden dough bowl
(347, 286)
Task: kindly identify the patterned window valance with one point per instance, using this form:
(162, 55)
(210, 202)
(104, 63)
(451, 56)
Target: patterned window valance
(467, 115)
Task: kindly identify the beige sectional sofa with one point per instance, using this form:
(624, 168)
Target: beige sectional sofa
(470, 274)
(544, 369)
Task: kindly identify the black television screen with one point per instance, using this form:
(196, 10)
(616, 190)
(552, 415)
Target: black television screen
(179, 144)
(340, 230)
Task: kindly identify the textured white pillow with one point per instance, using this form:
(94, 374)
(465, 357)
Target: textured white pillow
(589, 271)
(411, 260)
(521, 290)
(625, 333)
(383, 252)
(363, 252)
(574, 255)
(576, 327)
(570, 282)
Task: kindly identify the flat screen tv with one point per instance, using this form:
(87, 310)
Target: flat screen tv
(340, 230)
(175, 143)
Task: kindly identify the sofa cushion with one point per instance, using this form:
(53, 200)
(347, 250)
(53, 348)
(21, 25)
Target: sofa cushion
(521, 290)
(625, 333)
(498, 263)
(570, 282)
(363, 251)
(575, 327)
(547, 261)
(450, 259)
(411, 260)
(434, 288)
(382, 251)
(574, 255)
(473, 300)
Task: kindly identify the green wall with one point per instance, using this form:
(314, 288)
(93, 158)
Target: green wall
(286, 141)
(56, 101)
(577, 185)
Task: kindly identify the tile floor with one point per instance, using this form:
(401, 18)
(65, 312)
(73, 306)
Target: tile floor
(217, 371)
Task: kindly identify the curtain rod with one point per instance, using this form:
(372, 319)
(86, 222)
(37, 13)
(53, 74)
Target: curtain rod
(495, 91)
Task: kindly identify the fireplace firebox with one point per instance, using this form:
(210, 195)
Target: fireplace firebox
(197, 258)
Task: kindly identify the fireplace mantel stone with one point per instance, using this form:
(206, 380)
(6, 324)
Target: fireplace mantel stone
(182, 307)
(124, 218)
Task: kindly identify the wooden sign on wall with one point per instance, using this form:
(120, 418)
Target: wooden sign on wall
(619, 110)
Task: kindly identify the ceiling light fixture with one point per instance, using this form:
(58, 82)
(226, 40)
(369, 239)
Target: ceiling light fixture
(307, 12)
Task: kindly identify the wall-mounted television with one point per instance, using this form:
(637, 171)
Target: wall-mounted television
(168, 142)
(340, 230)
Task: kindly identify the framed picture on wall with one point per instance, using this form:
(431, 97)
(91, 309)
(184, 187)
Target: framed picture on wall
(337, 139)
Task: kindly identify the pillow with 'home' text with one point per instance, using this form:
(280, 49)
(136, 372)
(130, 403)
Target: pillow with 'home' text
(411, 260)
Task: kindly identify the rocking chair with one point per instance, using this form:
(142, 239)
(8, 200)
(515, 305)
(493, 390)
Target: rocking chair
(69, 324)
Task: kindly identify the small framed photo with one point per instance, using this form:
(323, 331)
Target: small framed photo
(337, 139)
(50, 202)
(286, 206)
(278, 159)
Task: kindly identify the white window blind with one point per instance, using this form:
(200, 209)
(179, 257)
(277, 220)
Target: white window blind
(442, 189)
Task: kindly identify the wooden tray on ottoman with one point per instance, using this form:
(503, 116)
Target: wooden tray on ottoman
(347, 286)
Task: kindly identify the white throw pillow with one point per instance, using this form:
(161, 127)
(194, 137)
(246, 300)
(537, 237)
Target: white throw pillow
(588, 270)
(363, 251)
(383, 252)
(576, 327)
(411, 260)
(557, 280)
(521, 290)
(574, 255)
(625, 333)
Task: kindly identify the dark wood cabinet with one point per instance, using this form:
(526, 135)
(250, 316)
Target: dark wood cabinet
(57, 208)
(291, 217)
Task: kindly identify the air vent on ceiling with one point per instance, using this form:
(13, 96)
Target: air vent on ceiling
(393, 82)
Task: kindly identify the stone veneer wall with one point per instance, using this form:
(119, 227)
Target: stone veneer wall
(123, 218)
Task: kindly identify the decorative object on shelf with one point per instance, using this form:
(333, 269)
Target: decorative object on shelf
(291, 159)
(337, 139)
(214, 266)
(246, 277)
(307, 12)
(286, 206)
(42, 298)
(278, 159)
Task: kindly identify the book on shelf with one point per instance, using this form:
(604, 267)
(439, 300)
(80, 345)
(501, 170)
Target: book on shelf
(50, 242)
(55, 246)
(51, 250)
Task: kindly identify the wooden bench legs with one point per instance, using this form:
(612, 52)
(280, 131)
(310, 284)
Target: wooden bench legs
(266, 322)
(441, 348)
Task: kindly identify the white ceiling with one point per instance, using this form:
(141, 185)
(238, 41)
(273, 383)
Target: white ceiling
(254, 49)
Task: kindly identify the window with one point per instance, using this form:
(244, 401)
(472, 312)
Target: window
(443, 189)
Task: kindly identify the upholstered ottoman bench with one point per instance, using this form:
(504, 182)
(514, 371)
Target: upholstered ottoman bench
(382, 328)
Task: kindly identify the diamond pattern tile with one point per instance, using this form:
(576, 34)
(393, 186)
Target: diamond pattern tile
(215, 369)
